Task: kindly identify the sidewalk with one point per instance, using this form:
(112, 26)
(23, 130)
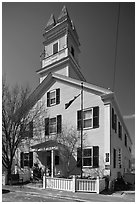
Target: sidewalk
(70, 196)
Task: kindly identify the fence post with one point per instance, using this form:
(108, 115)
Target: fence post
(97, 184)
(74, 183)
(44, 181)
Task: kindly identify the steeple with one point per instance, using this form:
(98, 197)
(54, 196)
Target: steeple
(61, 48)
(63, 14)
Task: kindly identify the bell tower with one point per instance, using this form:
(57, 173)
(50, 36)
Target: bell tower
(61, 48)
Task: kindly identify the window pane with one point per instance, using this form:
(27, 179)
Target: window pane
(87, 114)
(87, 123)
(86, 152)
(52, 94)
(86, 161)
(52, 101)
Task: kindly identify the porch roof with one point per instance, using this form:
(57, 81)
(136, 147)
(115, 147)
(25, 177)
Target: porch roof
(47, 145)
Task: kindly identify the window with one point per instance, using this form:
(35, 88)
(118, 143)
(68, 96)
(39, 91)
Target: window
(87, 118)
(90, 157)
(53, 125)
(125, 140)
(107, 157)
(90, 118)
(114, 158)
(87, 157)
(120, 158)
(119, 130)
(26, 159)
(55, 48)
(53, 97)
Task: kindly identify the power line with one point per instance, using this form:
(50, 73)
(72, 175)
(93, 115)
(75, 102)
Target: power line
(117, 31)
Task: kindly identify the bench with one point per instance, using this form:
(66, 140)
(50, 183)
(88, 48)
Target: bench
(15, 179)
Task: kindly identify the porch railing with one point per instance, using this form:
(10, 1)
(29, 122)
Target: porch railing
(74, 184)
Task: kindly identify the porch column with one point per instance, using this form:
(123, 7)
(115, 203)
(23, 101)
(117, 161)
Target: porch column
(52, 163)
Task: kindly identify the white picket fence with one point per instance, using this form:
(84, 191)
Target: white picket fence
(74, 184)
(57, 183)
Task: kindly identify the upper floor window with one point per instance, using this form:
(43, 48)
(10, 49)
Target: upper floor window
(55, 48)
(90, 157)
(53, 125)
(53, 97)
(90, 118)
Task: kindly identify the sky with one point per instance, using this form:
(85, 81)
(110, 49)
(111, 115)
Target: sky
(23, 26)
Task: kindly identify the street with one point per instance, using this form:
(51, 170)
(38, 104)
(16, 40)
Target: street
(10, 196)
(26, 194)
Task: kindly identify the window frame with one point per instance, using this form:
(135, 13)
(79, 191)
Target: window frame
(52, 91)
(85, 157)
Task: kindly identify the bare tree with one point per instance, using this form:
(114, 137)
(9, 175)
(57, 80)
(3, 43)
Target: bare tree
(16, 117)
(70, 139)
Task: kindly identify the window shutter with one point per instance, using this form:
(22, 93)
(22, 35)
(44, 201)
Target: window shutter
(95, 156)
(79, 119)
(115, 122)
(79, 157)
(57, 96)
(114, 158)
(59, 123)
(30, 159)
(22, 160)
(48, 99)
(113, 119)
(96, 117)
(31, 129)
(46, 126)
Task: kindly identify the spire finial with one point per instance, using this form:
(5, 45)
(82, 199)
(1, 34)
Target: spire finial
(51, 22)
(63, 14)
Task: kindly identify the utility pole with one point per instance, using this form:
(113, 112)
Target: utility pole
(81, 129)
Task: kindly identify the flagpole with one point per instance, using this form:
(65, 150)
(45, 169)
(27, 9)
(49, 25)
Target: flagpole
(81, 129)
